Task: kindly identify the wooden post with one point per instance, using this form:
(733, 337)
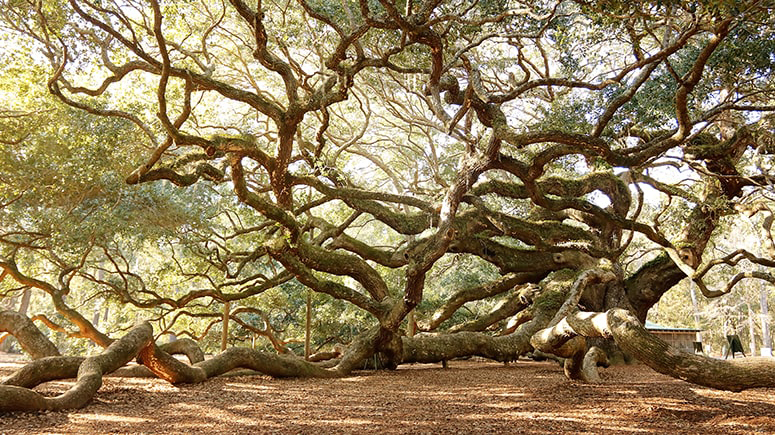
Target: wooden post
(308, 327)
(696, 311)
(765, 316)
(752, 330)
(225, 332)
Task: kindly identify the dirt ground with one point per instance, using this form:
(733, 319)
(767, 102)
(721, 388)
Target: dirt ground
(468, 397)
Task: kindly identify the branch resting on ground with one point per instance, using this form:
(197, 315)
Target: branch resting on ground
(89, 380)
(633, 338)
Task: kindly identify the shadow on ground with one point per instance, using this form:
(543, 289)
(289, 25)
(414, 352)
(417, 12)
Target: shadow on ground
(468, 397)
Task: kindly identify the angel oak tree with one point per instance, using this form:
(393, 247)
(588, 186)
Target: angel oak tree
(584, 154)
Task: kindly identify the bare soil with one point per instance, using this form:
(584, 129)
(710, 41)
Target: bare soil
(469, 397)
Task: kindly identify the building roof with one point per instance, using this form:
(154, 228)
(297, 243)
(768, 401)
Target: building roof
(651, 326)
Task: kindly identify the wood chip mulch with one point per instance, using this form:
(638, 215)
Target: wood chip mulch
(469, 397)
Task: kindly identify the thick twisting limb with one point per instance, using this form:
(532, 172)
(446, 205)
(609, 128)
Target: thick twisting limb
(634, 339)
(169, 368)
(279, 366)
(594, 357)
(630, 335)
(45, 369)
(89, 380)
(428, 348)
(561, 339)
(184, 346)
(519, 299)
(489, 289)
(567, 342)
(432, 348)
(588, 277)
(27, 334)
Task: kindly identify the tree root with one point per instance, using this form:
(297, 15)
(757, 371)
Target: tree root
(89, 376)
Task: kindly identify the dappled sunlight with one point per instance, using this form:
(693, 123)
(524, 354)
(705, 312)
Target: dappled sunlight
(592, 420)
(492, 399)
(257, 388)
(354, 379)
(153, 385)
(326, 178)
(509, 395)
(344, 421)
(213, 413)
(111, 418)
(631, 392)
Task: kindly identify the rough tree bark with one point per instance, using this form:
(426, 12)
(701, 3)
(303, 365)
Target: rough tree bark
(45, 369)
(184, 346)
(475, 228)
(27, 334)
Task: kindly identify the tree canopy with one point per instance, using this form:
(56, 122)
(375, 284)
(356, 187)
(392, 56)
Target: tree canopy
(501, 176)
